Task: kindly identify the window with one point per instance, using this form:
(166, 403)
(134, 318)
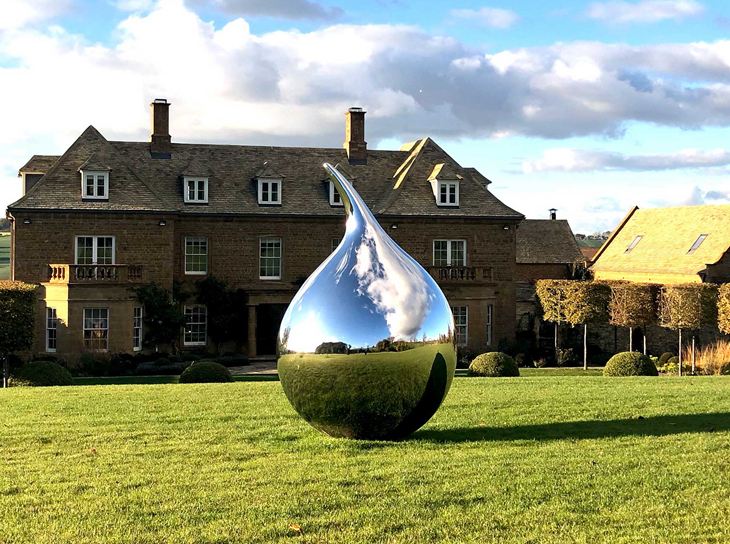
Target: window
(335, 243)
(196, 190)
(448, 193)
(196, 326)
(449, 252)
(51, 329)
(461, 323)
(137, 329)
(269, 191)
(335, 198)
(632, 245)
(95, 250)
(270, 258)
(96, 329)
(490, 311)
(95, 185)
(697, 244)
(196, 255)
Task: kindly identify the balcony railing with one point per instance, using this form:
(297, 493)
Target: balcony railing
(95, 273)
(461, 274)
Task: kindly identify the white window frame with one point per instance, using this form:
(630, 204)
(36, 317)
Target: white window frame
(95, 248)
(188, 311)
(335, 243)
(262, 239)
(137, 328)
(335, 197)
(270, 181)
(51, 325)
(84, 329)
(449, 260)
(186, 255)
(465, 325)
(96, 173)
(490, 319)
(196, 181)
(448, 184)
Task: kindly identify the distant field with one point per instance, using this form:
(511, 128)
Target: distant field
(4, 255)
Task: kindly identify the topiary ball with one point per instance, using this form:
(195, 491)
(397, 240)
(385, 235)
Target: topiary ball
(42, 374)
(494, 365)
(630, 363)
(206, 372)
(664, 358)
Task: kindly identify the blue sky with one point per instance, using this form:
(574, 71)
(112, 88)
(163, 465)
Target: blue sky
(589, 107)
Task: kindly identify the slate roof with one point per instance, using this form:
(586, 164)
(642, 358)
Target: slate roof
(667, 235)
(546, 241)
(391, 183)
(38, 164)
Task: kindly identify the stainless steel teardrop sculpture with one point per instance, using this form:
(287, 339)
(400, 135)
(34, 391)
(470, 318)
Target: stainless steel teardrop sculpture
(366, 348)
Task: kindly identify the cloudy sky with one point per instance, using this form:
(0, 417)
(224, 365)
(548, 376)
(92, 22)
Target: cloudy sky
(589, 107)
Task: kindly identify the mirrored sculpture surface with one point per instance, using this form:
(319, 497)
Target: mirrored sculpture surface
(366, 348)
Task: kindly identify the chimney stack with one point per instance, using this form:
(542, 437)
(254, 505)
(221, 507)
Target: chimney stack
(355, 144)
(160, 141)
(553, 214)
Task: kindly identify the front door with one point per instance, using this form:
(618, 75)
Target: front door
(268, 320)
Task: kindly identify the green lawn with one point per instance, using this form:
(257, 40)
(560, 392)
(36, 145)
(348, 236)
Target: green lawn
(530, 459)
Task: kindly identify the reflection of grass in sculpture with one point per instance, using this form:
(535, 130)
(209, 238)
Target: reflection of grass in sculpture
(359, 394)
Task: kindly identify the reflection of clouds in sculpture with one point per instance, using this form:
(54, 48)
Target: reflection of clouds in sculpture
(393, 283)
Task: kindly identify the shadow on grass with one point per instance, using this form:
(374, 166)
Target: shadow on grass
(650, 426)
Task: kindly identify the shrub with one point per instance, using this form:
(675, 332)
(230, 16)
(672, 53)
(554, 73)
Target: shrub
(206, 372)
(672, 366)
(42, 373)
(465, 356)
(163, 361)
(565, 357)
(713, 359)
(664, 358)
(541, 362)
(17, 307)
(494, 365)
(153, 369)
(630, 363)
(188, 357)
(234, 360)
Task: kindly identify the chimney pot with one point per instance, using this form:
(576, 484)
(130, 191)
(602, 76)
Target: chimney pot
(553, 213)
(355, 144)
(160, 140)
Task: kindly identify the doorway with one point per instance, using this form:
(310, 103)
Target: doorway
(268, 320)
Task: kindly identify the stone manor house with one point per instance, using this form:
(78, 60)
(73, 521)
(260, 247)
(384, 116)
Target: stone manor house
(108, 216)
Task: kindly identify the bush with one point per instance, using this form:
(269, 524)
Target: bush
(664, 358)
(541, 362)
(153, 369)
(494, 365)
(163, 361)
(465, 356)
(630, 363)
(42, 373)
(206, 372)
(188, 357)
(234, 360)
(566, 357)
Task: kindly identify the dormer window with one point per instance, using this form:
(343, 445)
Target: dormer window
(448, 193)
(269, 191)
(335, 198)
(196, 190)
(95, 185)
(634, 243)
(697, 244)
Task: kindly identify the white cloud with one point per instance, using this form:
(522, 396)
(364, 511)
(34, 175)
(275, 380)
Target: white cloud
(19, 13)
(489, 17)
(280, 9)
(646, 11)
(587, 160)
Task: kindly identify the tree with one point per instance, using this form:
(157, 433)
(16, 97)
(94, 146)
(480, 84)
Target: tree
(552, 295)
(688, 306)
(723, 308)
(163, 317)
(633, 305)
(586, 302)
(227, 312)
(17, 320)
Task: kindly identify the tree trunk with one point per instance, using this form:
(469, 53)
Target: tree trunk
(556, 342)
(585, 346)
(693, 354)
(680, 352)
(6, 371)
(631, 338)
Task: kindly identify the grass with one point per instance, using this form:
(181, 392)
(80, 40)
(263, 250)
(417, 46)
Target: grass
(530, 459)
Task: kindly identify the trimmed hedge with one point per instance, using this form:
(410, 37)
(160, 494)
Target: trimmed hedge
(206, 372)
(232, 360)
(42, 374)
(494, 365)
(664, 358)
(630, 363)
(153, 369)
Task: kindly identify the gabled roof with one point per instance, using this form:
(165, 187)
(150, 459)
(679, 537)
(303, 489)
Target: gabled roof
(392, 182)
(38, 164)
(667, 235)
(546, 241)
